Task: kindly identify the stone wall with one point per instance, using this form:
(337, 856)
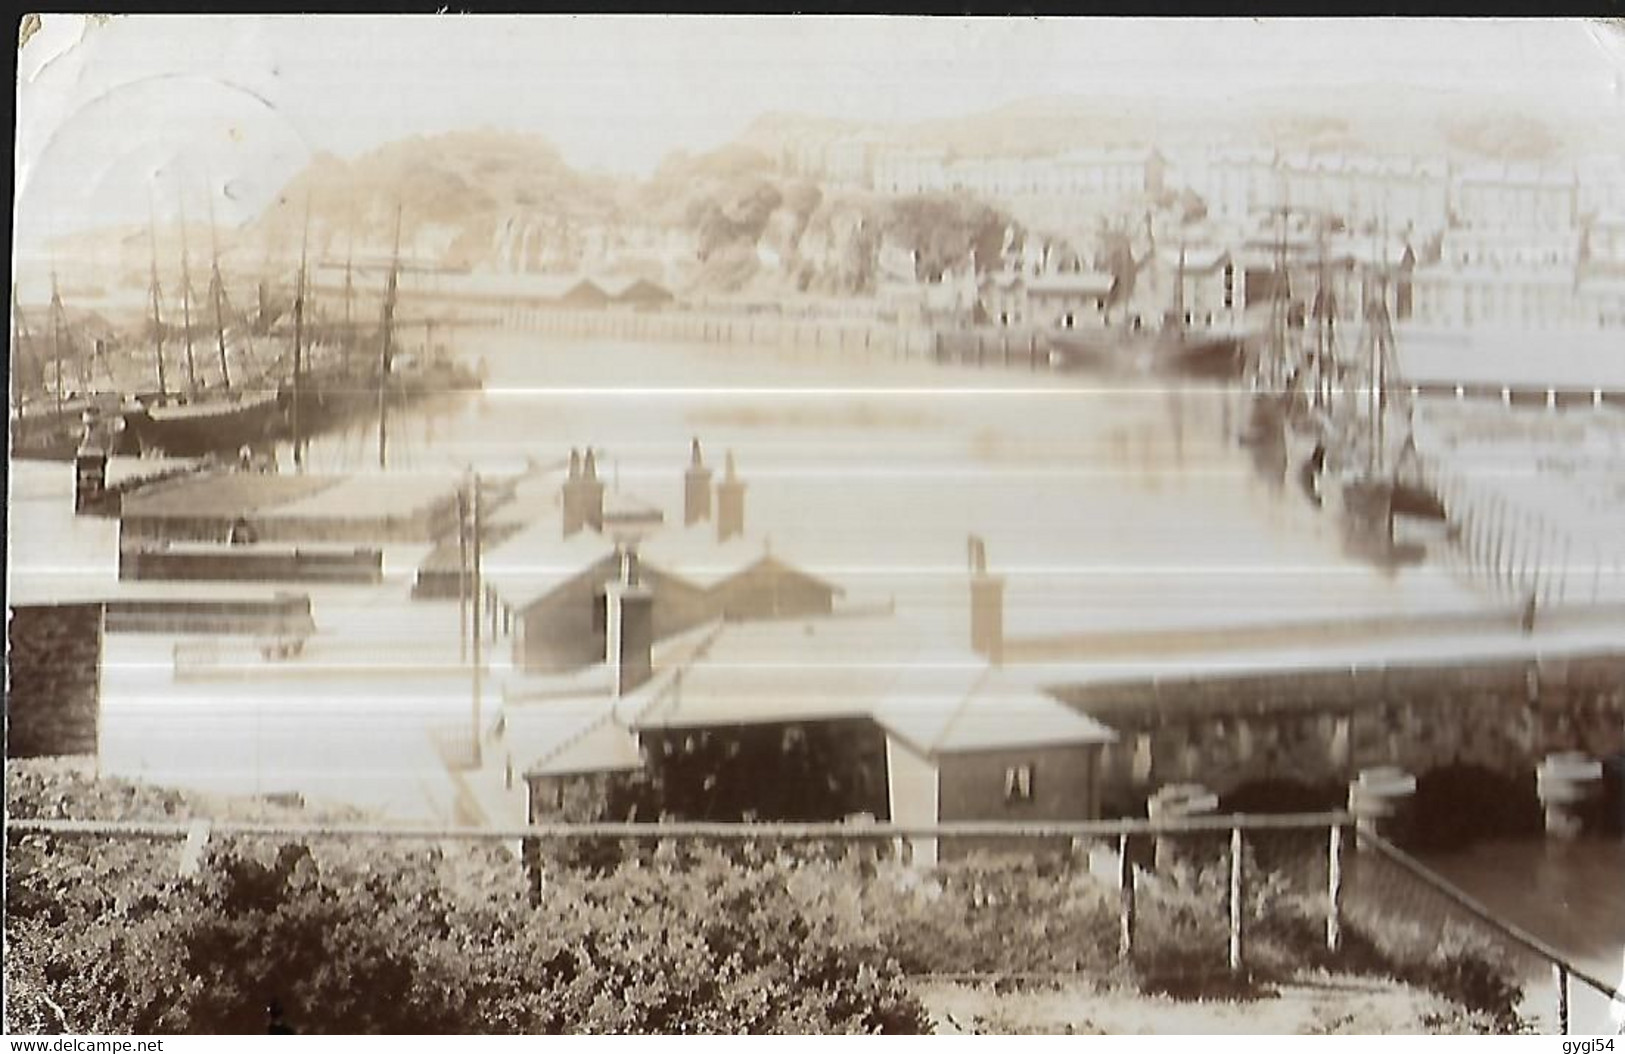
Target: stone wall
(1319, 727)
(53, 669)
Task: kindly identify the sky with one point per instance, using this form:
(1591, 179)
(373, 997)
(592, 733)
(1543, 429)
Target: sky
(129, 116)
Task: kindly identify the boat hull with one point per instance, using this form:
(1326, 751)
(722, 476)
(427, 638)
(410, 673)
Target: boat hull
(213, 426)
(1174, 354)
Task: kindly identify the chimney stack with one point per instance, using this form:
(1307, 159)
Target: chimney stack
(570, 496)
(583, 497)
(629, 625)
(986, 606)
(592, 492)
(730, 503)
(89, 470)
(696, 488)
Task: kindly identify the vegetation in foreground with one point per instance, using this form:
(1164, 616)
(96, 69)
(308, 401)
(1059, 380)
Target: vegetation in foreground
(106, 936)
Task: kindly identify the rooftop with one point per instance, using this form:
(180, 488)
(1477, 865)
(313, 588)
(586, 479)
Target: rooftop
(694, 554)
(539, 558)
(938, 699)
(1093, 283)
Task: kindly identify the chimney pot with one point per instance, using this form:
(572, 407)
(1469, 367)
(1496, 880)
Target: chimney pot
(730, 503)
(986, 607)
(583, 494)
(696, 488)
(90, 477)
(629, 625)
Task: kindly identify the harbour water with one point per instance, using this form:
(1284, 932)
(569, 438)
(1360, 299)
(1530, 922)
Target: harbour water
(1104, 504)
(1566, 893)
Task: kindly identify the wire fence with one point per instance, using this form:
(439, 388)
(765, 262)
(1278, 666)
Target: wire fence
(1184, 902)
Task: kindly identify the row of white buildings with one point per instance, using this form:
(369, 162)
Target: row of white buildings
(1406, 193)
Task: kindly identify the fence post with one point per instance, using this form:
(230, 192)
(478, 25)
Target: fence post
(1561, 975)
(530, 854)
(1334, 890)
(1125, 885)
(1236, 899)
(197, 839)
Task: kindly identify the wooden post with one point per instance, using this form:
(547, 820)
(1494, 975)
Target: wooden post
(530, 852)
(197, 840)
(462, 572)
(1334, 890)
(1560, 973)
(1237, 891)
(1125, 885)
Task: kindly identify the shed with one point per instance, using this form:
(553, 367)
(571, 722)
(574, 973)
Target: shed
(635, 292)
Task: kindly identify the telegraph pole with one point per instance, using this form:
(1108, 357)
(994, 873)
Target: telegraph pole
(476, 588)
(385, 358)
(463, 569)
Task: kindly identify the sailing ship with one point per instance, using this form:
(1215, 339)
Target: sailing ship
(48, 419)
(1335, 415)
(340, 380)
(198, 421)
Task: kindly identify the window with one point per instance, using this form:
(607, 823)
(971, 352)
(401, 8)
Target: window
(1018, 783)
(1229, 285)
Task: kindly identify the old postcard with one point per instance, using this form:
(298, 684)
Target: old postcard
(813, 525)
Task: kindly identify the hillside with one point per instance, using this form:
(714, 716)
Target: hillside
(737, 220)
(464, 198)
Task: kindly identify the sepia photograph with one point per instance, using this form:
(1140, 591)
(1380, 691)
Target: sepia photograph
(810, 524)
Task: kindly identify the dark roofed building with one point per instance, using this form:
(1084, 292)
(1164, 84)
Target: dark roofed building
(635, 292)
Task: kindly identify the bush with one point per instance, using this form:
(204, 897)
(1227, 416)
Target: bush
(104, 935)
(422, 942)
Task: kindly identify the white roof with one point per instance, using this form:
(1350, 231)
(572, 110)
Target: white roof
(539, 559)
(939, 700)
(557, 737)
(1204, 258)
(1081, 282)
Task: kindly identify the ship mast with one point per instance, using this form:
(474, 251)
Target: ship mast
(1179, 290)
(186, 304)
(157, 312)
(1325, 328)
(217, 293)
(385, 351)
(349, 332)
(299, 342)
(23, 340)
(56, 338)
(1272, 366)
(1381, 356)
(62, 337)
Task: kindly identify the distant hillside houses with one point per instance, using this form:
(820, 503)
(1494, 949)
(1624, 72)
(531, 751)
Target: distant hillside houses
(1111, 173)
